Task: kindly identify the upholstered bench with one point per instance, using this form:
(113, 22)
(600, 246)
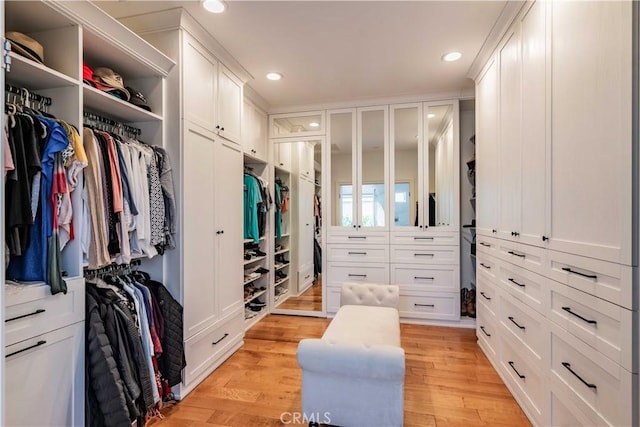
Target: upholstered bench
(354, 374)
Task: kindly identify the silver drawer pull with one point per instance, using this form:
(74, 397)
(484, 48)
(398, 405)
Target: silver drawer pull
(357, 237)
(38, 311)
(38, 344)
(515, 370)
(423, 238)
(357, 253)
(515, 323)
(424, 305)
(485, 244)
(568, 366)
(357, 275)
(522, 285)
(223, 337)
(423, 278)
(485, 332)
(431, 255)
(568, 310)
(588, 276)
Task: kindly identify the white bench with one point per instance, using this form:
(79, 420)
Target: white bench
(354, 374)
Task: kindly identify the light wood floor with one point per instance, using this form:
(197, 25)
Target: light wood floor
(448, 382)
(310, 300)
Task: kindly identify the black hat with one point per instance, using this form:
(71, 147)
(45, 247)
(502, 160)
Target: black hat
(138, 99)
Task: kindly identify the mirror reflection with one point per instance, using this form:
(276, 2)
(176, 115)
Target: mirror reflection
(298, 228)
(406, 128)
(341, 138)
(441, 167)
(372, 194)
(296, 125)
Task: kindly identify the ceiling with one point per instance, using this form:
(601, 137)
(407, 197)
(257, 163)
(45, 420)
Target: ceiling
(335, 51)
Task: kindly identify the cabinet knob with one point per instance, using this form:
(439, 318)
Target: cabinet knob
(218, 127)
(221, 128)
(545, 238)
(281, 164)
(221, 231)
(354, 226)
(359, 226)
(515, 233)
(494, 231)
(420, 226)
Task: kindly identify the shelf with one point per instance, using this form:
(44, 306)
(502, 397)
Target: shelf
(283, 266)
(246, 282)
(254, 296)
(252, 260)
(97, 101)
(281, 281)
(281, 298)
(35, 76)
(248, 323)
(251, 240)
(283, 251)
(283, 236)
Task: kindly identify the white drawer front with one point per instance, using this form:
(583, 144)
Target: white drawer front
(487, 294)
(424, 238)
(432, 278)
(32, 310)
(487, 245)
(359, 238)
(606, 280)
(203, 349)
(604, 326)
(564, 414)
(487, 267)
(527, 381)
(333, 299)
(529, 257)
(487, 332)
(305, 277)
(340, 272)
(595, 382)
(356, 254)
(424, 255)
(528, 287)
(430, 305)
(526, 326)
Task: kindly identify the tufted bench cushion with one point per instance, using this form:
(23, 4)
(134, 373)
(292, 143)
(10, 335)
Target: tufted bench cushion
(369, 294)
(382, 326)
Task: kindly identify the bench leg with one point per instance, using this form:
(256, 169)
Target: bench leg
(314, 424)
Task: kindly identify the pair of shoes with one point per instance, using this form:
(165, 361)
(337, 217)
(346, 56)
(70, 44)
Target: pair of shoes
(464, 295)
(261, 270)
(470, 302)
(281, 274)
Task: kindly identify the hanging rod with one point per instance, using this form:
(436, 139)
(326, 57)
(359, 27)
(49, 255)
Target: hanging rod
(25, 93)
(111, 269)
(117, 125)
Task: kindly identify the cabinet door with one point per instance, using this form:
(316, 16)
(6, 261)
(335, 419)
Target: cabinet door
(229, 105)
(260, 136)
(45, 384)
(509, 154)
(199, 239)
(283, 156)
(248, 128)
(200, 85)
(372, 170)
(534, 130)
(306, 223)
(407, 167)
(591, 122)
(342, 167)
(228, 227)
(487, 150)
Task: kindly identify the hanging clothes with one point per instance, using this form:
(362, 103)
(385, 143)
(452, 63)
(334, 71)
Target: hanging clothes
(252, 196)
(278, 212)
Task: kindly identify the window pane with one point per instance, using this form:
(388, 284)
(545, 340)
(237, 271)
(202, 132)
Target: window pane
(346, 205)
(402, 204)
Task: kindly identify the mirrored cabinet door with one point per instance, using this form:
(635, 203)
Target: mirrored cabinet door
(406, 167)
(441, 132)
(373, 200)
(342, 143)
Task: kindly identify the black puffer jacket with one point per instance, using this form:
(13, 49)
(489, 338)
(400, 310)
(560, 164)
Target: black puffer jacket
(172, 360)
(105, 402)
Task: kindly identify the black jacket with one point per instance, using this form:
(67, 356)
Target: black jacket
(172, 360)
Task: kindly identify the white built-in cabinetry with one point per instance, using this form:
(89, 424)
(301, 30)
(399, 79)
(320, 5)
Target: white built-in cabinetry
(557, 309)
(254, 131)
(303, 187)
(204, 127)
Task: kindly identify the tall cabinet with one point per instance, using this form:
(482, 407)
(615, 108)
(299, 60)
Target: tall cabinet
(204, 129)
(558, 300)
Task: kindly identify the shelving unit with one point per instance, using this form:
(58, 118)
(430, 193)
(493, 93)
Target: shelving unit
(280, 286)
(282, 251)
(252, 260)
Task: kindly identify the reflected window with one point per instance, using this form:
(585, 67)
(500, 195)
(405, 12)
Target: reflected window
(346, 205)
(373, 205)
(402, 204)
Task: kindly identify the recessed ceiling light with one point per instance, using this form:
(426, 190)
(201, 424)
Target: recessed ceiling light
(314, 124)
(451, 56)
(214, 6)
(274, 76)
(430, 116)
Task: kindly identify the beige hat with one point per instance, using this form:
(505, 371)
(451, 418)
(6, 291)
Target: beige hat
(109, 81)
(26, 46)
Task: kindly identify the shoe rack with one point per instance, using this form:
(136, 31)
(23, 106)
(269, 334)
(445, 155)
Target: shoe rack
(257, 273)
(282, 247)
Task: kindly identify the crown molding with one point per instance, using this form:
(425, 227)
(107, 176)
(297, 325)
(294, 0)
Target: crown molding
(253, 96)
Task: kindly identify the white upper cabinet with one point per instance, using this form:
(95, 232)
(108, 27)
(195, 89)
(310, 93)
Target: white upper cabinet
(591, 122)
(487, 150)
(254, 131)
(229, 123)
(282, 156)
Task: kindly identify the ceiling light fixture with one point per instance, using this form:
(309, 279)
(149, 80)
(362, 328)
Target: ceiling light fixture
(214, 6)
(314, 124)
(451, 56)
(274, 76)
(430, 116)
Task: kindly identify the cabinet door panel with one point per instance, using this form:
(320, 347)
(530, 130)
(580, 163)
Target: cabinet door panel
(487, 151)
(533, 165)
(229, 105)
(229, 219)
(373, 180)
(591, 129)
(342, 141)
(510, 174)
(306, 223)
(200, 86)
(199, 231)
